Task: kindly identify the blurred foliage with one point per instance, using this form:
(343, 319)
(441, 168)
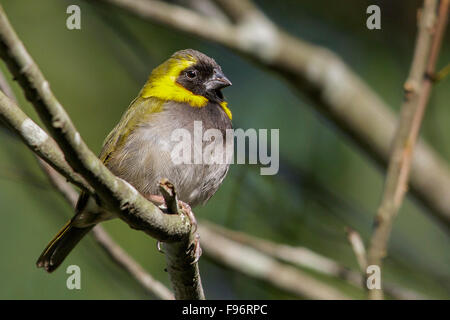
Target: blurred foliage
(325, 183)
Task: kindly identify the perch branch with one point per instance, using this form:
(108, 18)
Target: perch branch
(38, 140)
(417, 91)
(114, 193)
(330, 85)
(298, 256)
(100, 235)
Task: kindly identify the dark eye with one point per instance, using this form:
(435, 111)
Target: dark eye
(191, 74)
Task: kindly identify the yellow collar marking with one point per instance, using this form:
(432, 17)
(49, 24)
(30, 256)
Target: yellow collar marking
(224, 106)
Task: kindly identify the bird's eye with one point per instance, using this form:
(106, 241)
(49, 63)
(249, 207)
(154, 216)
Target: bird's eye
(191, 74)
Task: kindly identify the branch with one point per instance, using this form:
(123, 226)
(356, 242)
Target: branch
(50, 150)
(238, 10)
(122, 258)
(261, 266)
(358, 248)
(114, 193)
(207, 8)
(119, 195)
(330, 85)
(297, 256)
(6, 88)
(118, 255)
(38, 140)
(417, 91)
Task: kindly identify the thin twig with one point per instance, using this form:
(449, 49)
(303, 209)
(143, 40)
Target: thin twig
(207, 8)
(114, 193)
(417, 91)
(358, 248)
(300, 257)
(237, 10)
(38, 140)
(45, 147)
(339, 93)
(122, 258)
(6, 88)
(256, 264)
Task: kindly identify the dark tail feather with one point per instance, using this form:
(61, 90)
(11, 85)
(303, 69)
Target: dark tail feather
(61, 245)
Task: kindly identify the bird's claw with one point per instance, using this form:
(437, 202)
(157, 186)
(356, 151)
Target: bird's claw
(188, 212)
(158, 246)
(195, 248)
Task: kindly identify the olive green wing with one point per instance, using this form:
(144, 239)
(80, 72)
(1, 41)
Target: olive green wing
(138, 112)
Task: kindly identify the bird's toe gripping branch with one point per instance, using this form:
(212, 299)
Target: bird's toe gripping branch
(174, 206)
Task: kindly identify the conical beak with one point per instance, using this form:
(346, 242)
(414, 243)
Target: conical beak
(217, 82)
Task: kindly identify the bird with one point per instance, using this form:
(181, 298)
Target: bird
(182, 91)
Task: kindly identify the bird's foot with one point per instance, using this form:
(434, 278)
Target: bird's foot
(194, 248)
(187, 210)
(157, 200)
(169, 201)
(158, 246)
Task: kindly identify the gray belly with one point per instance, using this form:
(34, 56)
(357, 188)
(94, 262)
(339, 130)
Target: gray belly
(148, 154)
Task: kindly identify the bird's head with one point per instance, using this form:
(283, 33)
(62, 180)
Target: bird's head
(188, 76)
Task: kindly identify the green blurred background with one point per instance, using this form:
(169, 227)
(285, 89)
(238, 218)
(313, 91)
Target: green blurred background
(325, 183)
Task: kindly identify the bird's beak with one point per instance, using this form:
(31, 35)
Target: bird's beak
(217, 82)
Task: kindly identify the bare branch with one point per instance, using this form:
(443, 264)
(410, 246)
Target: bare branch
(300, 257)
(119, 255)
(56, 179)
(258, 265)
(115, 194)
(207, 8)
(358, 248)
(6, 88)
(417, 91)
(59, 183)
(332, 87)
(38, 140)
(238, 10)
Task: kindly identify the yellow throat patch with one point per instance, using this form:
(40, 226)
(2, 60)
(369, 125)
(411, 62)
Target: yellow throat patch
(162, 84)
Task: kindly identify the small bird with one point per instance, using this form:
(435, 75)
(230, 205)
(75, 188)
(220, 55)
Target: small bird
(184, 89)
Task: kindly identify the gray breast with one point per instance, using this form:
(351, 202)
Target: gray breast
(148, 154)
